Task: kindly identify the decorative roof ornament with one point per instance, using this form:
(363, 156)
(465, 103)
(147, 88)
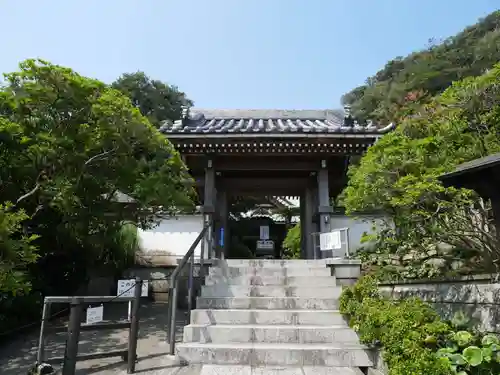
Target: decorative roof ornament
(348, 119)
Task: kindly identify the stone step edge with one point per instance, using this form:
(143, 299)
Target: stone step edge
(270, 326)
(273, 346)
(269, 298)
(209, 369)
(291, 311)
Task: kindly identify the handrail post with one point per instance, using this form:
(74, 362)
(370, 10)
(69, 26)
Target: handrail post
(71, 353)
(202, 259)
(190, 285)
(169, 309)
(172, 318)
(174, 286)
(40, 356)
(134, 327)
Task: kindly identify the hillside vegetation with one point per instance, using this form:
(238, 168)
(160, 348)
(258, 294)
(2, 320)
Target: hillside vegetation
(437, 230)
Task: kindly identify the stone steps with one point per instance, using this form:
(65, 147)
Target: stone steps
(275, 262)
(258, 333)
(265, 354)
(271, 271)
(273, 316)
(268, 317)
(221, 290)
(303, 281)
(269, 303)
(277, 370)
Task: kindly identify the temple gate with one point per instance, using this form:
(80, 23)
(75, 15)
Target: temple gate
(301, 153)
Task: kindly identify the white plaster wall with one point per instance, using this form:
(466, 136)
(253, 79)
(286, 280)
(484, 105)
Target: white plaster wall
(173, 236)
(357, 227)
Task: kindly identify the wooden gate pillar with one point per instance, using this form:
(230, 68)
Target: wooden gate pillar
(222, 215)
(324, 208)
(209, 206)
(308, 224)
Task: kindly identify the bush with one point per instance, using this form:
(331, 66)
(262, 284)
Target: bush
(291, 244)
(413, 338)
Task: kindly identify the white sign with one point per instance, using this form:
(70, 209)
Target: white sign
(126, 288)
(265, 245)
(264, 232)
(95, 314)
(330, 241)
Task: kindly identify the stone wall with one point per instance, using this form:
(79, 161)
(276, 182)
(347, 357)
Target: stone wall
(160, 281)
(477, 296)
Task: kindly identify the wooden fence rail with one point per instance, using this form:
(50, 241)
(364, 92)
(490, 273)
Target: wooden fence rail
(75, 326)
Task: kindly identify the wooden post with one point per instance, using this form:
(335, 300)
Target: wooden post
(209, 205)
(134, 327)
(303, 226)
(71, 353)
(324, 208)
(308, 227)
(40, 356)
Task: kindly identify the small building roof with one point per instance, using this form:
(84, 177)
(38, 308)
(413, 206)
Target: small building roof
(266, 121)
(473, 166)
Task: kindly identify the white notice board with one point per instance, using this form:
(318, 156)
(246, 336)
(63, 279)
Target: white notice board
(330, 241)
(264, 232)
(95, 314)
(126, 288)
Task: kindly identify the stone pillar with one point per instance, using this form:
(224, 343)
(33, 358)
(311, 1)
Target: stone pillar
(209, 206)
(324, 208)
(307, 223)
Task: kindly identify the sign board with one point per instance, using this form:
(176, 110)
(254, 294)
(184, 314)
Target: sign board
(265, 245)
(126, 288)
(264, 232)
(330, 241)
(221, 239)
(95, 314)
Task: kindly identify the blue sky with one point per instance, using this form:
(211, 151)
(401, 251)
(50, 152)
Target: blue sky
(292, 54)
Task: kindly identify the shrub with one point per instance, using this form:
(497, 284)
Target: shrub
(291, 244)
(413, 338)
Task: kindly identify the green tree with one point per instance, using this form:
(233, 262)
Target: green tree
(156, 100)
(399, 174)
(69, 146)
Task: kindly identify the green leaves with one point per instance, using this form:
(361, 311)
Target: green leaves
(413, 338)
(462, 338)
(291, 244)
(400, 175)
(473, 355)
(156, 100)
(69, 146)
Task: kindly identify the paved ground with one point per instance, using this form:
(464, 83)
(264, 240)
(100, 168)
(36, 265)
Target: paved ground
(18, 356)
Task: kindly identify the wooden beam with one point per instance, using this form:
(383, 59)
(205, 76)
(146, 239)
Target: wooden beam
(242, 183)
(265, 164)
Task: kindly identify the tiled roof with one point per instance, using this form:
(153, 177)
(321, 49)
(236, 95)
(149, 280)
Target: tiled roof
(200, 121)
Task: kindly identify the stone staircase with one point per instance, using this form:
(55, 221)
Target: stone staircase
(272, 316)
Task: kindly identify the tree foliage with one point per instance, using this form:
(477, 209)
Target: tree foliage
(291, 244)
(405, 83)
(399, 174)
(69, 146)
(155, 99)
